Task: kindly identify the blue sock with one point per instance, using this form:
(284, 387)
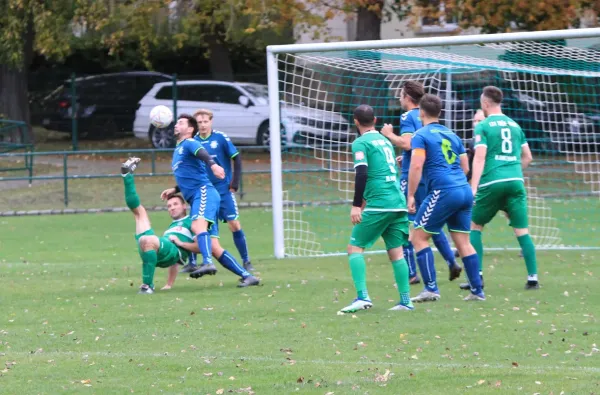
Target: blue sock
(442, 245)
(203, 240)
(239, 238)
(192, 260)
(229, 263)
(471, 264)
(427, 269)
(409, 255)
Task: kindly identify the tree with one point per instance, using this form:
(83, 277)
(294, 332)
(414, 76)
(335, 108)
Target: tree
(508, 15)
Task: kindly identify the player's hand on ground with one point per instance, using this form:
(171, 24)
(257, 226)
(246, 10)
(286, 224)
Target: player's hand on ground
(166, 287)
(387, 130)
(356, 215)
(166, 193)
(410, 204)
(218, 171)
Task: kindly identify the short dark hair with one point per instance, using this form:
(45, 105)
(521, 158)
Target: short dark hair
(191, 122)
(174, 196)
(364, 115)
(414, 90)
(431, 105)
(493, 93)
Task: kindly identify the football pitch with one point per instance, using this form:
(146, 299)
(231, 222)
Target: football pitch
(72, 322)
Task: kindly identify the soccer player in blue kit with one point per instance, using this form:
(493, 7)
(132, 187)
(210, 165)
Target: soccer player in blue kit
(410, 122)
(439, 155)
(189, 160)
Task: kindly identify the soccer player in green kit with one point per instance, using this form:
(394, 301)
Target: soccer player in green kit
(154, 250)
(384, 214)
(501, 154)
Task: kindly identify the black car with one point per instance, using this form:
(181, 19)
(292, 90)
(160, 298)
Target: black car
(105, 104)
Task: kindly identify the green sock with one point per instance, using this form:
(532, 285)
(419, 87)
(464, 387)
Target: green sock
(478, 245)
(529, 254)
(358, 268)
(402, 280)
(131, 197)
(149, 259)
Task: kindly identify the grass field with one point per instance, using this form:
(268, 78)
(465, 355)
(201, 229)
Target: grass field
(73, 323)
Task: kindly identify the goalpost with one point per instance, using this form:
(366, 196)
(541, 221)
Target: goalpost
(551, 83)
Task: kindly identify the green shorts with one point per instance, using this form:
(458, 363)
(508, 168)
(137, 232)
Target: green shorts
(509, 196)
(168, 253)
(392, 226)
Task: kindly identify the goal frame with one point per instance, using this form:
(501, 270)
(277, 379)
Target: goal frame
(273, 89)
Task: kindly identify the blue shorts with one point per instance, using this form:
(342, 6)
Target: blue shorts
(420, 195)
(205, 204)
(446, 206)
(228, 211)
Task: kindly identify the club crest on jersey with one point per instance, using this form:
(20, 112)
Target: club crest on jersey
(214, 144)
(180, 150)
(359, 155)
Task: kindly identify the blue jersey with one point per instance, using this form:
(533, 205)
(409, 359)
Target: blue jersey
(443, 149)
(409, 124)
(222, 150)
(189, 171)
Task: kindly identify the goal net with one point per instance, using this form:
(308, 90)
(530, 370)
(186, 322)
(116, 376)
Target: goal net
(551, 86)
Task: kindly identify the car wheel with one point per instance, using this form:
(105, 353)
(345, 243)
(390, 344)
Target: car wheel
(162, 137)
(263, 137)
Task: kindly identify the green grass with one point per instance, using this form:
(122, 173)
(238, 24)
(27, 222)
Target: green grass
(73, 323)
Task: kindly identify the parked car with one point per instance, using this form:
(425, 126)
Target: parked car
(241, 110)
(105, 104)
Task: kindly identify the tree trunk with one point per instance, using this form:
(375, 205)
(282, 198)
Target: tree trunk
(220, 59)
(14, 101)
(368, 23)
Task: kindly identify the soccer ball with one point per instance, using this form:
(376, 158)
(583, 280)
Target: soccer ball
(161, 116)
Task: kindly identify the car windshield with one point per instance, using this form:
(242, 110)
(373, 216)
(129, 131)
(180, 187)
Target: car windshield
(257, 90)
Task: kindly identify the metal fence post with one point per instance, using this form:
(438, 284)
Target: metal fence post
(174, 92)
(153, 156)
(65, 180)
(74, 134)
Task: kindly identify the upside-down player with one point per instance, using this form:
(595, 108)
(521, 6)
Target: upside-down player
(157, 251)
(501, 154)
(440, 155)
(410, 122)
(384, 214)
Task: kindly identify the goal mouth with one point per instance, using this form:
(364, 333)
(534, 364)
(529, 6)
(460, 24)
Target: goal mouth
(551, 86)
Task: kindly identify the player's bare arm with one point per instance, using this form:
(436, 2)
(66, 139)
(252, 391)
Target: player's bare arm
(402, 141)
(526, 156)
(464, 163)
(237, 173)
(414, 177)
(478, 165)
(171, 278)
(191, 247)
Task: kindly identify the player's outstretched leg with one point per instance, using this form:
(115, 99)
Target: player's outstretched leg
(149, 246)
(443, 246)
(229, 262)
(528, 249)
(358, 269)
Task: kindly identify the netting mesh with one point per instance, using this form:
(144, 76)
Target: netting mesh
(551, 89)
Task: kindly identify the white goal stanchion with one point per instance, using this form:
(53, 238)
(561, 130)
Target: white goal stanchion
(551, 84)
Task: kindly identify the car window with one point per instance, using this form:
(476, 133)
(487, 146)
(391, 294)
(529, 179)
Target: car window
(165, 93)
(221, 94)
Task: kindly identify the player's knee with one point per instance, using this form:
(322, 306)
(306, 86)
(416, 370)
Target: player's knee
(474, 226)
(521, 231)
(148, 243)
(354, 250)
(215, 247)
(234, 225)
(200, 225)
(395, 254)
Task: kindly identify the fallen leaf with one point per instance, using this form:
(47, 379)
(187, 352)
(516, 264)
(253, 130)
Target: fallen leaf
(300, 380)
(480, 382)
(498, 384)
(231, 378)
(515, 364)
(220, 391)
(87, 381)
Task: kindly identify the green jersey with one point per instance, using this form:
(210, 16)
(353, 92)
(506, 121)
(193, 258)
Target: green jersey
(182, 229)
(382, 192)
(503, 138)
